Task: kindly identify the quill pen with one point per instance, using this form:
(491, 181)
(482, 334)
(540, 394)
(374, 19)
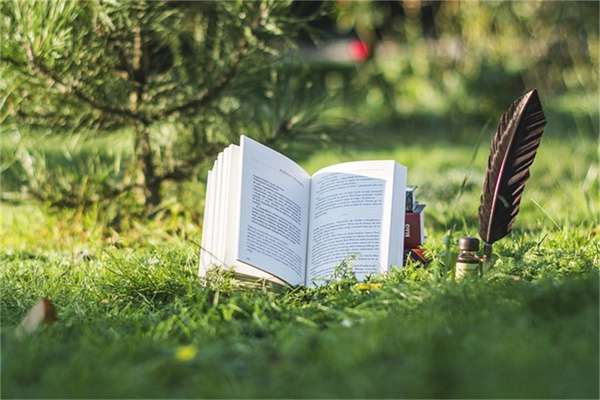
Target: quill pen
(512, 152)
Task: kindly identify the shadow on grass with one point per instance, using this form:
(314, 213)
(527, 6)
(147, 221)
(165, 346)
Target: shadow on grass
(465, 130)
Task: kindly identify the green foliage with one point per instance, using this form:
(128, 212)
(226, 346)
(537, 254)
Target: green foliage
(87, 59)
(176, 74)
(438, 57)
(186, 78)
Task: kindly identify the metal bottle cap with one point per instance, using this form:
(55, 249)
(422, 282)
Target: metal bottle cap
(468, 243)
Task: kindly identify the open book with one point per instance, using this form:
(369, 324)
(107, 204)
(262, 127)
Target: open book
(267, 218)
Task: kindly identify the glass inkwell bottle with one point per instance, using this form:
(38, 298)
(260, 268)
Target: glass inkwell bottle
(468, 263)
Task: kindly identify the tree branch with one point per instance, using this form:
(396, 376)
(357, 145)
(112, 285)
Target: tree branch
(212, 92)
(67, 200)
(19, 66)
(76, 91)
(63, 121)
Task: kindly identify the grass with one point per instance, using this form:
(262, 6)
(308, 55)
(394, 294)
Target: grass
(134, 322)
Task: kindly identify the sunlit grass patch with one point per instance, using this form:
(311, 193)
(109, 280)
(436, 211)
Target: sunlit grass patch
(134, 320)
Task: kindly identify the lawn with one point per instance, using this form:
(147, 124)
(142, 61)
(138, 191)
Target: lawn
(135, 322)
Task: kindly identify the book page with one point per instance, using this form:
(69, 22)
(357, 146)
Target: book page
(217, 227)
(233, 205)
(224, 205)
(356, 215)
(273, 223)
(242, 270)
(206, 221)
(212, 214)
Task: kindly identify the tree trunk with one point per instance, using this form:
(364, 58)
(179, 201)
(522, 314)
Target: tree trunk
(145, 164)
(143, 146)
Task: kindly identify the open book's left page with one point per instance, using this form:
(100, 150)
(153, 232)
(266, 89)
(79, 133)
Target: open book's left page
(273, 220)
(220, 231)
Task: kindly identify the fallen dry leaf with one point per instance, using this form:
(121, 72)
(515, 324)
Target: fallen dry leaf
(43, 312)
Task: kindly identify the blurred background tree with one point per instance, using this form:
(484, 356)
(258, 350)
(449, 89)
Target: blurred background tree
(472, 57)
(173, 74)
(180, 80)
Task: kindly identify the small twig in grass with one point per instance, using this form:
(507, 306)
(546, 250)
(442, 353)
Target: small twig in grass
(465, 180)
(130, 279)
(448, 245)
(104, 251)
(209, 253)
(539, 243)
(144, 298)
(463, 185)
(547, 214)
(535, 246)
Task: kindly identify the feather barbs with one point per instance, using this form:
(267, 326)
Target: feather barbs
(513, 151)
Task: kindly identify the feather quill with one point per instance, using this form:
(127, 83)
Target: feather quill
(513, 150)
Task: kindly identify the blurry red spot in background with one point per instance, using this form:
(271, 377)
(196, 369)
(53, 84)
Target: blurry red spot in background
(359, 50)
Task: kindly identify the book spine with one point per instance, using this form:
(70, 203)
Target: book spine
(413, 230)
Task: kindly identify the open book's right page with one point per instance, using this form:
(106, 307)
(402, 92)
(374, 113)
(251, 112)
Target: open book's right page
(357, 215)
